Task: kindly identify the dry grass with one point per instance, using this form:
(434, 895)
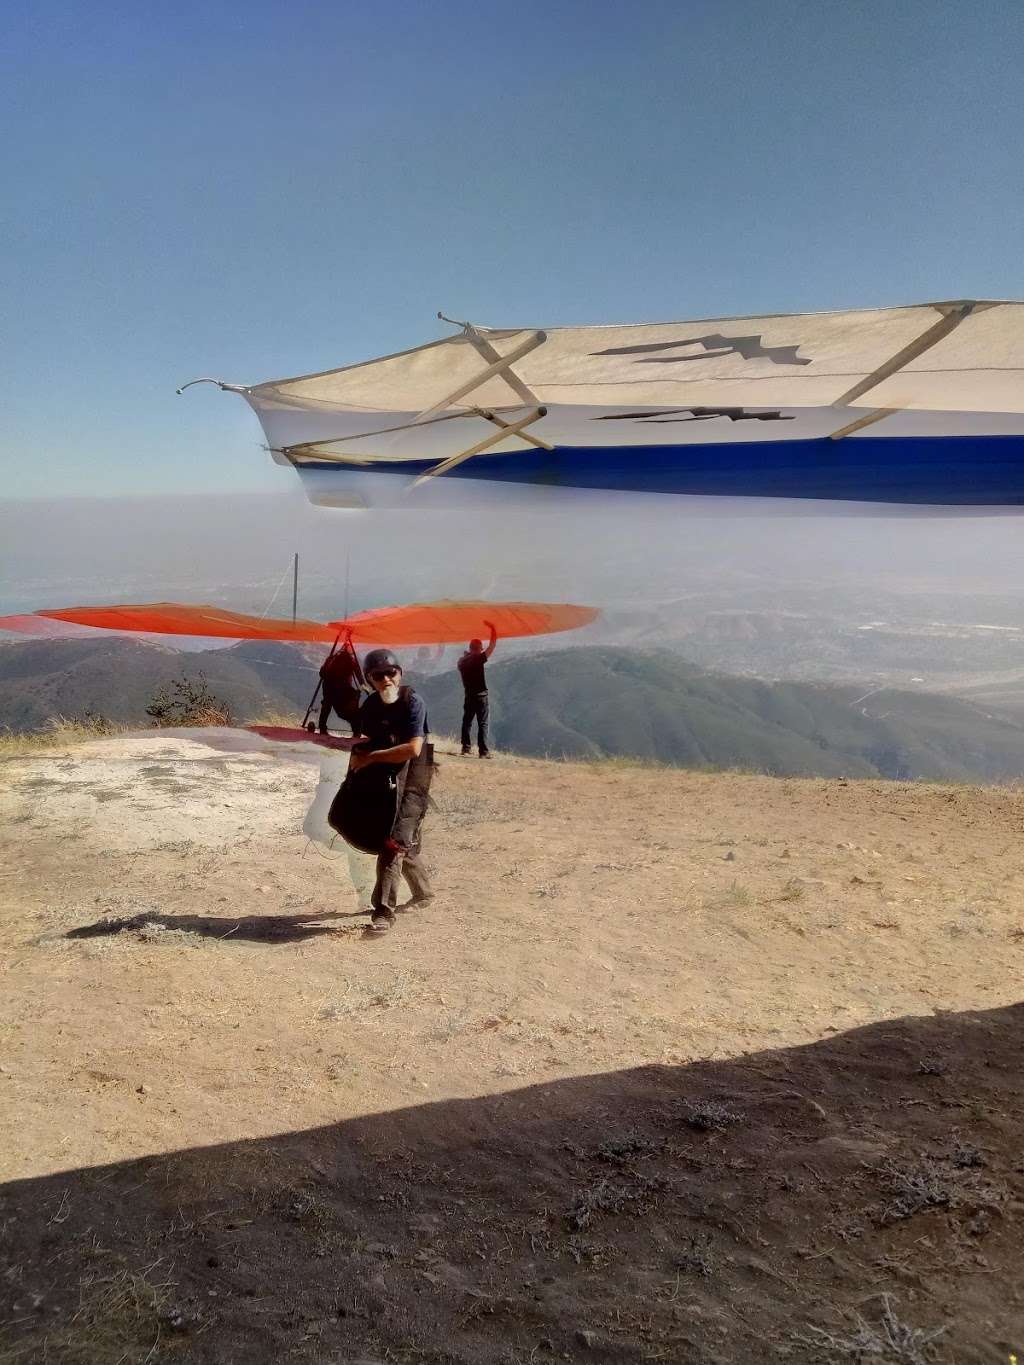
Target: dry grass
(64, 732)
(385, 990)
(736, 896)
(628, 762)
(890, 1340)
(122, 1314)
(60, 732)
(792, 891)
(283, 718)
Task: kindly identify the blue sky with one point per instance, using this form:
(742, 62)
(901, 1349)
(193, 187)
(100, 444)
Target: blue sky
(255, 190)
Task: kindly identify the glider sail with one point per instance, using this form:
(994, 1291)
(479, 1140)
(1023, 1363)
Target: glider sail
(179, 618)
(920, 404)
(421, 623)
(443, 623)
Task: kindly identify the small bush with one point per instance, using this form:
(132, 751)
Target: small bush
(914, 1188)
(736, 896)
(89, 723)
(890, 1340)
(708, 1116)
(188, 701)
(698, 1257)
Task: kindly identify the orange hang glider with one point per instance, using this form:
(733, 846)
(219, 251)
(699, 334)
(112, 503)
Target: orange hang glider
(419, 623)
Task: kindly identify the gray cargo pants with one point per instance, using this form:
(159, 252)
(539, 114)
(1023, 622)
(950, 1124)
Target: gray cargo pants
(401, 855)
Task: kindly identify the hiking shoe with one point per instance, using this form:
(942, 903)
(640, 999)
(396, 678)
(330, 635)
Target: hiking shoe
(487, 755)
(381, 921)
(466, 753)
(418, 902)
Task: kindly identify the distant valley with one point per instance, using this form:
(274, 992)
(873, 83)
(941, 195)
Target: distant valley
(940, 641)
(582, 702)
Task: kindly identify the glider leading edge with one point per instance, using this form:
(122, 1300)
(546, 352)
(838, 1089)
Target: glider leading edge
(914, 405)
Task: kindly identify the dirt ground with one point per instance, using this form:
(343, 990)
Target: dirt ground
(677, 1066)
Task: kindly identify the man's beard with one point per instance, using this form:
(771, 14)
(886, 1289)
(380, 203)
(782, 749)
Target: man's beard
(389, 694)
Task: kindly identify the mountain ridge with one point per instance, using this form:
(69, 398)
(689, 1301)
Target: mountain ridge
(584, 702)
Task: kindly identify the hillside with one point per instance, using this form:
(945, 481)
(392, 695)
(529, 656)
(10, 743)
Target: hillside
(117, 677)
(594, 702)
(678, 1066)
(581, 703)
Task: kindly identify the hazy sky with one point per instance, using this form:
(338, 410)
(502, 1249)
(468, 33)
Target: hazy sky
(260, 189)
(630, 555)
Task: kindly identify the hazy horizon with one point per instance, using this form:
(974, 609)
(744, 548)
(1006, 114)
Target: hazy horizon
(633, 555)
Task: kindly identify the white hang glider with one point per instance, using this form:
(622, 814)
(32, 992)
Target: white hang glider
(915, 405)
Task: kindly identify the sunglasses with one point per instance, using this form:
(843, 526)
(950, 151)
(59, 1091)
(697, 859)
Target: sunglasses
(379, 674)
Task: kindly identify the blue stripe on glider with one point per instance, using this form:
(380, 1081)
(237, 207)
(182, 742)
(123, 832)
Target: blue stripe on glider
(979, 471)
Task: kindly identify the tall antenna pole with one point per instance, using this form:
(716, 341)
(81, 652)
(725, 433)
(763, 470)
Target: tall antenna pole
(295, 589)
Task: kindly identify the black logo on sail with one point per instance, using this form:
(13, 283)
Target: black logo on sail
(713, 345)
(695, 415)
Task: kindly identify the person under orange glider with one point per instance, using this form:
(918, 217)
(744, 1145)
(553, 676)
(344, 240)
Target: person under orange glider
(476, 702)
(389, 773)
(341, 679)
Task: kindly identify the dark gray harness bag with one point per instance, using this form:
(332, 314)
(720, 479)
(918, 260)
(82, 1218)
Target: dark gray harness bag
(376, 804)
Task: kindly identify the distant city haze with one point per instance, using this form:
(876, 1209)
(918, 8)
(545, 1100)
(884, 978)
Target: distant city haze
(708, 583)
(234, 550)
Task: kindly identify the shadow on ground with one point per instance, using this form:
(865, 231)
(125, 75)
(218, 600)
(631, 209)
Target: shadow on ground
(254, 929)
(835, 1202)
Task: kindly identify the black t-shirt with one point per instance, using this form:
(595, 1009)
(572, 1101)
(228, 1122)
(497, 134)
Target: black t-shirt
(386, 725)
(471, 666)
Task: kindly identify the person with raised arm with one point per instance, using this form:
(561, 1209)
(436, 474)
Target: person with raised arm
(476, 702)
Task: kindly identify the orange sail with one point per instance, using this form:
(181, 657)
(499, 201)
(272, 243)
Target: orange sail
(180, 618)
(442, 623)
(420, 623)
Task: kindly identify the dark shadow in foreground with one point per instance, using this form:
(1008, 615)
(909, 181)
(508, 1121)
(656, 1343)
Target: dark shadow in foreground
(836, 1202)
(245, 928)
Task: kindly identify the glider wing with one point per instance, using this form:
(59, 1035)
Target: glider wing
(179, 618)
(917, 404)
(435, 623)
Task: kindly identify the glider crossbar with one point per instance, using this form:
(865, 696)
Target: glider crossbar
(506, 429)
(314, 449)
(303, 448)
(868, 420)
(499, 365)
(952, 316)
(537, 441)
(480, 343)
